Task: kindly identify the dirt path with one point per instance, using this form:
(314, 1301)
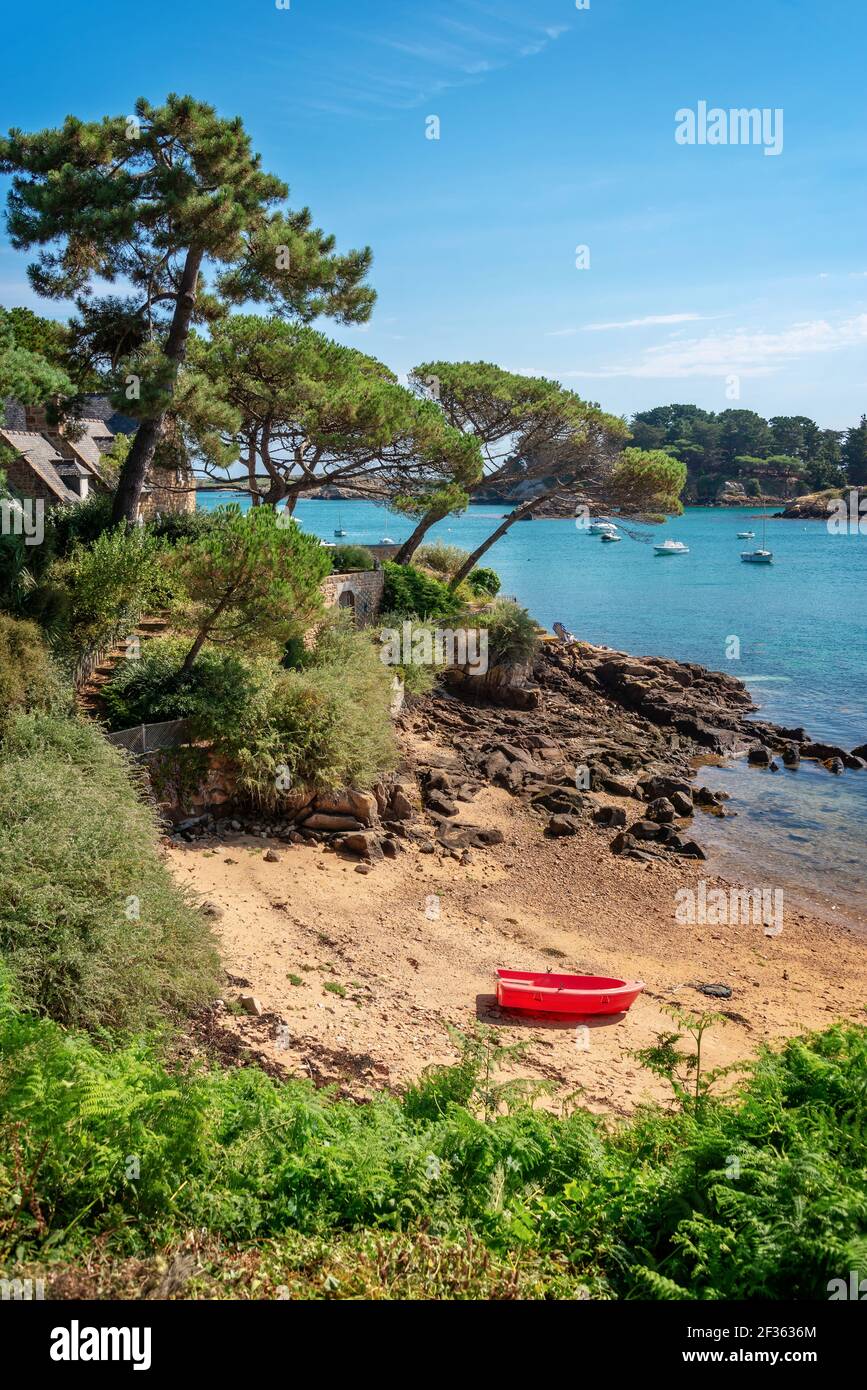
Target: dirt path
(359, 974)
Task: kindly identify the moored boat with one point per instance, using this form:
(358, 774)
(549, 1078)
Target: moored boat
(671, 547)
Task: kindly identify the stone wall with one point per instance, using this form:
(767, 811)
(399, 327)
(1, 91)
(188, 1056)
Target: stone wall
(361, 593)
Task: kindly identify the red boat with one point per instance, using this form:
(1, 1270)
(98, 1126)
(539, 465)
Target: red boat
(576, 995)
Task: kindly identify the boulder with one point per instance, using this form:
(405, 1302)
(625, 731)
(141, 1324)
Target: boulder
(559, 826)
(399, 806)
(691, 850)
(271, 856)
(616, 786)
(365, 807)
(682, 804)
(440, 804)
(759, 756)
(835, 765)
(363, 844)
(661, 810)
(791, 755)
(646, 830)
(860, 752)
(613, 816)
(653, 787)
(331, 824)
(250, 1004)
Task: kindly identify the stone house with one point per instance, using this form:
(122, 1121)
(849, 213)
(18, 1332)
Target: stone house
(59, 463)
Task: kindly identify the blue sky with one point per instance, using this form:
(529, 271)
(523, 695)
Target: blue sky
(556, 130)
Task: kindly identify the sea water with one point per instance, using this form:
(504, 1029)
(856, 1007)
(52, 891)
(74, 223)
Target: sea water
(795, 632)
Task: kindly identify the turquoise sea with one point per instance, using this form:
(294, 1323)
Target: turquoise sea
(795, 632)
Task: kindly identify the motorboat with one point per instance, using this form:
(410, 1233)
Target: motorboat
(600, 528)
(611, 537)
(746, 535)
(575, 995)
(671, 547)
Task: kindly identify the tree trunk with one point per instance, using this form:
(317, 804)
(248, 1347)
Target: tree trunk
(140, 456)
(409, 547)
(471, 562)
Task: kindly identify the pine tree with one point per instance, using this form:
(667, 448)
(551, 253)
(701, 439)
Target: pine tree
(150, 200)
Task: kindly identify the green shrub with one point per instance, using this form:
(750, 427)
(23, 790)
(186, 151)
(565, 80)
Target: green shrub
(418, 677)
(512, 634)
(113, 583)
(177, 528)
(444, 560)
(346, 559)
(753, 488)
(81, 523)
(93, 929)
(214, 694)
(28, 679)
(328, 724)
(484, 583)
(411, 593)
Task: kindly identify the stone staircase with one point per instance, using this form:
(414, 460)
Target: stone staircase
(89, 695)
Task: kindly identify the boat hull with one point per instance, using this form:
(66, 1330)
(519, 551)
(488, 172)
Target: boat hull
(573, 996)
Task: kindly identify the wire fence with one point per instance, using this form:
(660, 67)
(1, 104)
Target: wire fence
(152, 738)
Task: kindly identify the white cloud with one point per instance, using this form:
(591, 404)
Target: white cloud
(741, 352)
(650, 319)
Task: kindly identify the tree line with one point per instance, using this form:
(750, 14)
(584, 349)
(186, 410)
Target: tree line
(765, 455)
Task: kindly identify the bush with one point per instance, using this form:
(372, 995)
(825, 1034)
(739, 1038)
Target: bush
(329, 724)
(94, 931)
(512, 634)
(177, 528)
(418, 677)
(410, 593)
(28, 679)
(443, 559)
(81, 523)
(484, 583)
(346, 559)
(214, 694)
(113, 583)
(753, 488)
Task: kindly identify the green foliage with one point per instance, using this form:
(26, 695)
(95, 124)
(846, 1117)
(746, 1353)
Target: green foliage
(513, 637)
(177, 528)
(345, 559)
(214, 694)
(648, 480)
(327, 725)
(753, 487)
(757, 1196)
(251, 579)
(28, 679)
(411, 593)
(484, 583)
(112, 582)
(444, 560)
(92, 927)
(80, 523)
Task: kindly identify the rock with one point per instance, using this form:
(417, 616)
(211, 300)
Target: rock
(560, 800)
(442, 805)
(623, 842)
(860, 752)
(610, 816)
(272, 857)
(791, 755)
(391, 848)
(363, 869)
(835, 765)
(439, 781)
(657, 786)
(682, 804)
(661, 810)
(691, 850)
(759, 756)
(427, 847)
(333, 824)
(212, 910)
(365, 807)
(822, 752)
(559, 826)
(363, 844)
(250, 1004)
(616, 786)
(645, 830)
(495, 765)
(715, 991)
(400, 807)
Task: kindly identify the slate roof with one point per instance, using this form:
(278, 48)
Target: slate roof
(43, 458)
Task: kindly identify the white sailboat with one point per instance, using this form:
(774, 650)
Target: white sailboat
(340, 531)
(601, 528)
(762, 556)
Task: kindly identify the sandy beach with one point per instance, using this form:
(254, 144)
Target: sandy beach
(358, 974)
